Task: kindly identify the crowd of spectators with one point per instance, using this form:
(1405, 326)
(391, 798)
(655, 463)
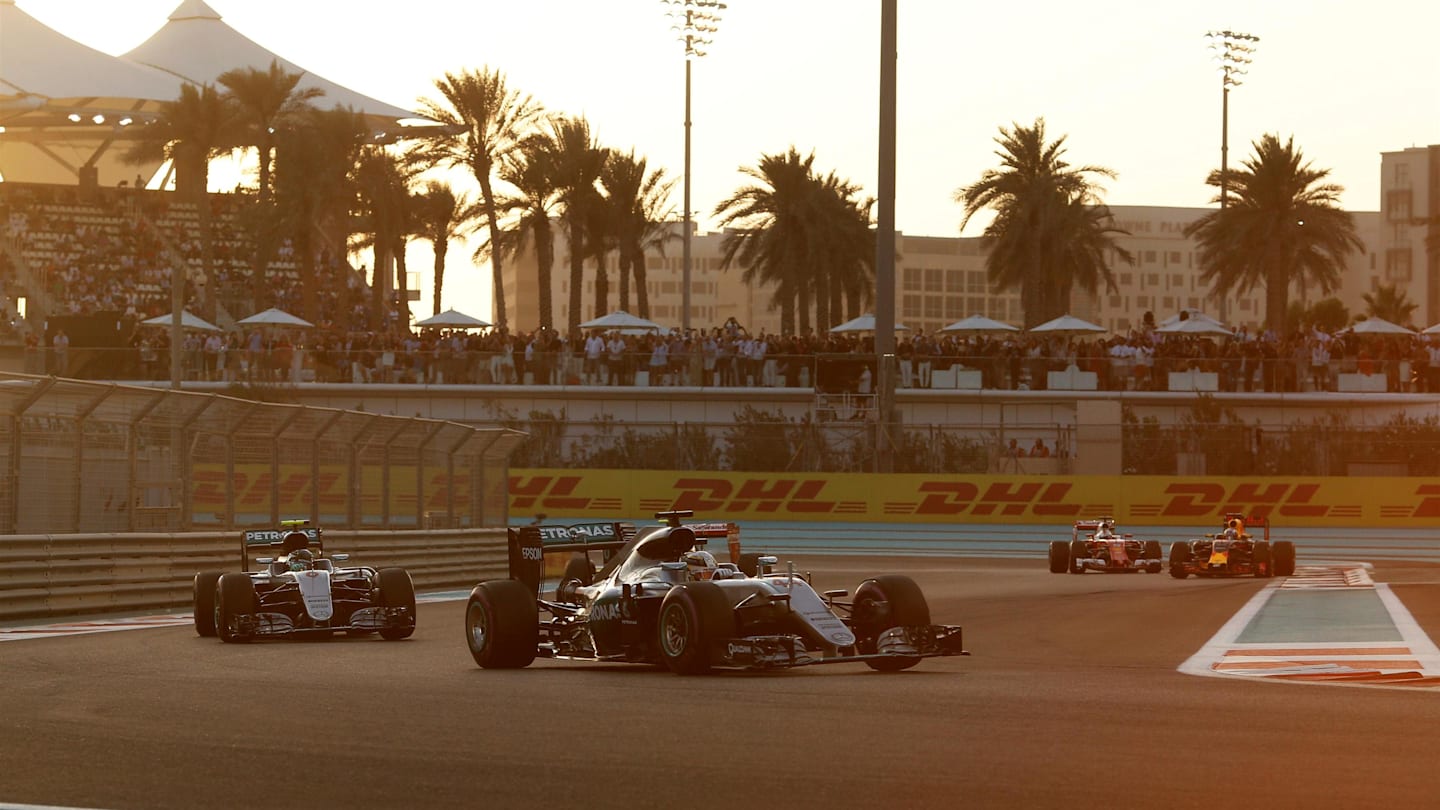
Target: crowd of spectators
(106, 252)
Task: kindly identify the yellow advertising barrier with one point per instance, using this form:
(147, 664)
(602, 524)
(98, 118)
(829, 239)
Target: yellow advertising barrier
(1032, 499)
(860, 497)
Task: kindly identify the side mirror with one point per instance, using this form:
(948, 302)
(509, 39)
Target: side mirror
(836, 594)
(264, 560)
(342, 557)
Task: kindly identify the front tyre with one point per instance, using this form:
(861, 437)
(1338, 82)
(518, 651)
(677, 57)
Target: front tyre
(1078, 552)
(502, 627)
(1059, 557)
(204, 603)
(695, 618)
(397, 591)
(234, 597)
(882, 603)
(1179, 558)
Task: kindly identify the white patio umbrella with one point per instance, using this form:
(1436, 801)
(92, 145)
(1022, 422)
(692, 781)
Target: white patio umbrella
(1191, 315)
(1378, 326)
(274, 317)
(187, 321)
(1196, 326)
(624, 322)
(1431, 330)
(454, 319)
(978, 325)
(864, 323)
(1067, 326)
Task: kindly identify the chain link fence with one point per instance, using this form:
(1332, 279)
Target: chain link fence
(81, 457)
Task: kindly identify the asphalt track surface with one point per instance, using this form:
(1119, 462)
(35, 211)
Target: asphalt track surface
(1071, 699)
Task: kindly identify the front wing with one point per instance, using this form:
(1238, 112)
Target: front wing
(785, 651)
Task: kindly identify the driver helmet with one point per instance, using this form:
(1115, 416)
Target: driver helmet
(702, 564)
(301, 560)
(1230, 534)
(1107, 528)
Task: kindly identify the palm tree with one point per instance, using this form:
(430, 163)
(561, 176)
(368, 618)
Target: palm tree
(314, 187)
(1050, 232)
(638, 201)
(267, 101)
(190, 131)
(384, 196)
(441, 218)
(843, 251)
(531, 174)
(489, 121)
(1282, 226)
(577, 161)
(769, 237)
(1390, 303)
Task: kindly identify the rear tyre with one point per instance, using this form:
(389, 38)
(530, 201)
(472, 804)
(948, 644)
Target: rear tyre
(882, 603)
(749, 564)
(578, 572)
(1059, 557)
(234, 597)
(204, 603)
(1263, 560)
(1179, 557)
(502, 627)
(1284, 558)
(1078, 552)
(397, 591)
(695, 618)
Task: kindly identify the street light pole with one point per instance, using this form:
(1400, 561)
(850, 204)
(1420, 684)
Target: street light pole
(696, 21)
(1232, 50)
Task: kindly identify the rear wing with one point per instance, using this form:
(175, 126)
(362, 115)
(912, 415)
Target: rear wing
(270, 539)
(1243, 523)
(1092, 526)
(531, 547)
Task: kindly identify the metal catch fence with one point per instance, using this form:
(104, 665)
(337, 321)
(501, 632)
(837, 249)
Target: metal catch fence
(80, 456)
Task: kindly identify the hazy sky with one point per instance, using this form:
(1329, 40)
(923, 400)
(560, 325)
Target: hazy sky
(1132, 84)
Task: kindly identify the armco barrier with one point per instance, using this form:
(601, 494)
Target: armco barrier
(44, 576)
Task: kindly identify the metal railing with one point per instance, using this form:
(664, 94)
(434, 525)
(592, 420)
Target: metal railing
(837, 373)
(81, 457)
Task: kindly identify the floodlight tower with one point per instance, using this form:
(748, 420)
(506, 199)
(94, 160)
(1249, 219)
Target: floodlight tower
(696, 21)
(1232, 51)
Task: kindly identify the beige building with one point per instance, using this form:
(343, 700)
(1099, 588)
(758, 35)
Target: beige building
(1409, 219)
(941, 279)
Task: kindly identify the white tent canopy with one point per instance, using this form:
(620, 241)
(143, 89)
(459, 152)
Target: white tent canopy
(61, 101)
(1190, 315)
(197, 45)
(1196, 326)
(864, 323)
(454, 319)
(1378, 326)
(187, 321)
(274, 317)
(978, 325)
(1067, 326)
(623, 321)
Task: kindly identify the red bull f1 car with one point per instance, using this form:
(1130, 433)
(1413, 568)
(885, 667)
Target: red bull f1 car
(1095, 545)
(656, 595)
(299, 590)
(1234, 552)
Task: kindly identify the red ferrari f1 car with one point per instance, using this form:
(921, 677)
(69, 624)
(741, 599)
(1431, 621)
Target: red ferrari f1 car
(1095, 545)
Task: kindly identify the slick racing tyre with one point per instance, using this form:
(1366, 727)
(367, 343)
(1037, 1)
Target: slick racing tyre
(1264, 562)
(1179, 556)
(204, 603)
(397, 591)
(749, 564)
(882, 603)
(234, 596)
(502, 626)
(1154, 557)
(1059, 557)
(1283, 555)
(695, 619)
(1078, 552)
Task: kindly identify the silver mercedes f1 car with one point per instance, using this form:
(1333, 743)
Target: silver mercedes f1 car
(301, 591)
(659, 597)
